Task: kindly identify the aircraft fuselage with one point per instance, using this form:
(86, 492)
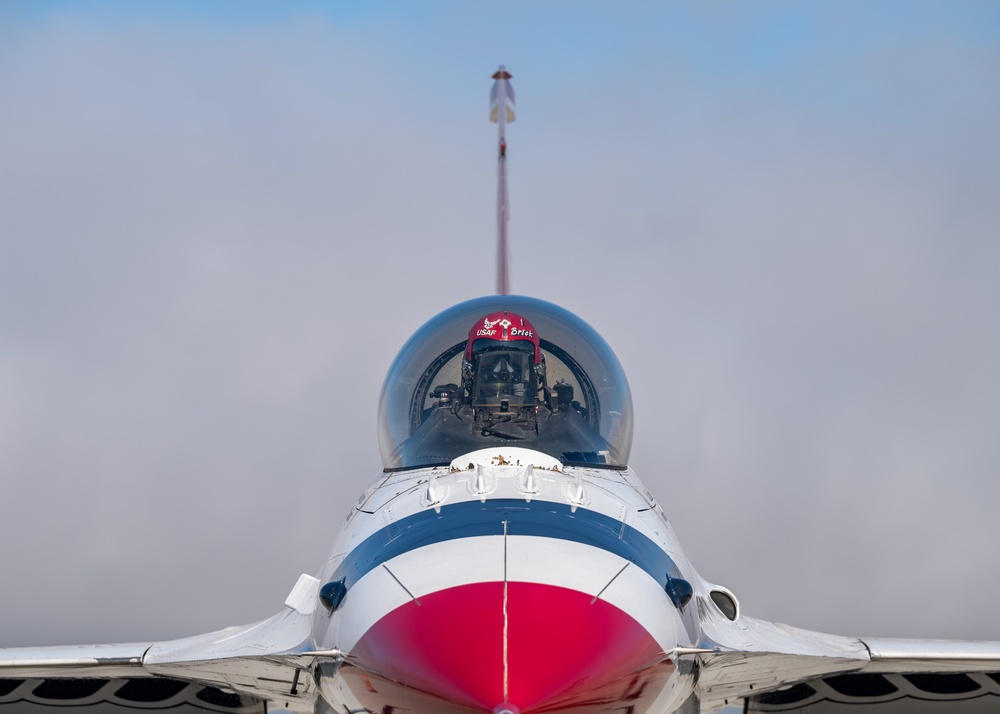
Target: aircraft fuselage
(507, 582)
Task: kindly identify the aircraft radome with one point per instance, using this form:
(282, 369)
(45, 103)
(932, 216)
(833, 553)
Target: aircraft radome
(507, 560)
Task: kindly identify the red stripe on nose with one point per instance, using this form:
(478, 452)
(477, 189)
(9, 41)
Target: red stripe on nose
(538, 647)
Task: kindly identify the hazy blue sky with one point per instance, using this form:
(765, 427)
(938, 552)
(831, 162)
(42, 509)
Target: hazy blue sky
(219, 221)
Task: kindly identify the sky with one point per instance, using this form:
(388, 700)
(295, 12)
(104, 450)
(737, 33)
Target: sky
(219, 222)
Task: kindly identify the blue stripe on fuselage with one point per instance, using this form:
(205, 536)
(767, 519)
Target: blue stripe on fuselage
(538, 518)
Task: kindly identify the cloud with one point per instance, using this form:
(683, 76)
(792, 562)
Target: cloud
(216, 237)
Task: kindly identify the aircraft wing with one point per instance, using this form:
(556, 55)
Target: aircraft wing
(239, 670)
(777, 668)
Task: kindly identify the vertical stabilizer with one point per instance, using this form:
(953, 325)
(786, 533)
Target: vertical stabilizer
(501, 112)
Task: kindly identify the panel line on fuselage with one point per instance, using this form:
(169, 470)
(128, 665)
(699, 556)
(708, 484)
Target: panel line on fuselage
(506, 621)
(465, 564)
(608, 585)
(548, 519)
(406, 589)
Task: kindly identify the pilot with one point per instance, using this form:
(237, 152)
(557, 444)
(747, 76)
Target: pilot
(503, 364)
(502, 374)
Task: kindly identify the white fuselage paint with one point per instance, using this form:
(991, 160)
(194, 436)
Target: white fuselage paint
(555, 561)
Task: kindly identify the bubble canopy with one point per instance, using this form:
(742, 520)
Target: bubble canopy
(575, 405)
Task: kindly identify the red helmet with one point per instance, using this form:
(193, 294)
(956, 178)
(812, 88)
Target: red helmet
(504, 327)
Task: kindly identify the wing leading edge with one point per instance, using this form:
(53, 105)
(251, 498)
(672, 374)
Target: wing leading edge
(240, 670)
(775, 668)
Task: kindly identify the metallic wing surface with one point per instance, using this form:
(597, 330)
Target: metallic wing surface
(767, 667)
(243, 670)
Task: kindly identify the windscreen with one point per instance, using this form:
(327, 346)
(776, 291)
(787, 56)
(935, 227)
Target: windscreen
(437, 405)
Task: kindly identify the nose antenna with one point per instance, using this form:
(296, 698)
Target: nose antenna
(501, 112)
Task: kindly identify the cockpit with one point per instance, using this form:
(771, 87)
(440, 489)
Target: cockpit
(505, 370)
(502, 376)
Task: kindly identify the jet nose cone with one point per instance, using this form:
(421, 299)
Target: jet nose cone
(532, 647)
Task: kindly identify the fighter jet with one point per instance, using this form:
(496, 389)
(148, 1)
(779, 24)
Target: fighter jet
(506, 560)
